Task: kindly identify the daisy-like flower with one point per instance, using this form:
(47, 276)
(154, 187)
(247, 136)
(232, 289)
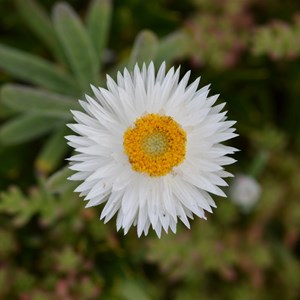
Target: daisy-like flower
(245, 192)
(149, 148)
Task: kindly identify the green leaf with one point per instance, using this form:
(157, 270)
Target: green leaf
(35, 70)
(38, 21)
(59, 183)
(132, 289)
(14, 202)
(144, 48)
(26, 99)
(53, 152)
(5, 111)
(25, 128)
(98, 21)
(172, 47)
(77, 45)
(68, 260)
(10, 200)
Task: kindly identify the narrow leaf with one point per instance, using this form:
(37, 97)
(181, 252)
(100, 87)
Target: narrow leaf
(172, 47)
(35, 70)
(25, 99)
(25, 128)
(98, 21)
(39, 22)
(144, 48)
(77, 45)
(53, 152)
(59, 183)
(5, 111)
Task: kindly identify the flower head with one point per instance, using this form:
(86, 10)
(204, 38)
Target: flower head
(245, 192)
(149, 148)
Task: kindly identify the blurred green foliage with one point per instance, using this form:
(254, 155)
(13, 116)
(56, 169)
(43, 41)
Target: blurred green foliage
(53, 248)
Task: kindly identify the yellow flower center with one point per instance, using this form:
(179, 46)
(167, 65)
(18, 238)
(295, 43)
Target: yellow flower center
(155, 144)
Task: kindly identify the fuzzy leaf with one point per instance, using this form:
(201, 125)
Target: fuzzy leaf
(38, 21)
(25, 99)
(53, 152)
(35, 70)
(171, 47)
(98, 21)
(144, 48)
(25, 128)
(77, 45)
(59, 183)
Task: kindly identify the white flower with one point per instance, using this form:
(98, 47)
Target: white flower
(245, 191)
(149, 147)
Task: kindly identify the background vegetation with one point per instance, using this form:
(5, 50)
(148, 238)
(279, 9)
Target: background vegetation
(53, 248)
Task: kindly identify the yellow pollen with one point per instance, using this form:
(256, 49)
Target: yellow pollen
(155, 144)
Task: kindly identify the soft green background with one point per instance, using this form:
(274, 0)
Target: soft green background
(53, 248)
